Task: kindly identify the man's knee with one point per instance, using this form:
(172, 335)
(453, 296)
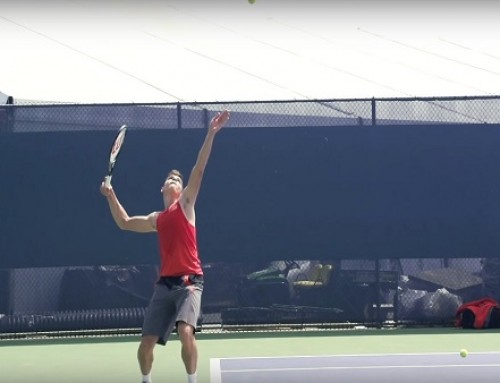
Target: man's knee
(185, 331)
(148, 342)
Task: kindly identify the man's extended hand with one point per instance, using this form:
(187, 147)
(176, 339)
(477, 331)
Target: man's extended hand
(219, 121)
(105, 190)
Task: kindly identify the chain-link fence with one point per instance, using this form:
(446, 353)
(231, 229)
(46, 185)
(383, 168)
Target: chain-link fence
(241, 294)
(357, 112)
(335, 293)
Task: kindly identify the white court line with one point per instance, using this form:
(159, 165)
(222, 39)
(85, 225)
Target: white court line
(215, 372)
(356, 368)
(362, 355)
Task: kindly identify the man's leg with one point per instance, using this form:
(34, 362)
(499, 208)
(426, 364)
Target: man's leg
(189, 350)
(187, 319)
(145, 355)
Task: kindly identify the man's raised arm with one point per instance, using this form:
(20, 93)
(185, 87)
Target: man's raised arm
(193, 186)
(139, 223)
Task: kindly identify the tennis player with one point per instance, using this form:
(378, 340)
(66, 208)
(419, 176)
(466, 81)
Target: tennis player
(176, 299)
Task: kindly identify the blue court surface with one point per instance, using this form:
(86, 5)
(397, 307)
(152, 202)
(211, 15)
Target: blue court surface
(409, 368)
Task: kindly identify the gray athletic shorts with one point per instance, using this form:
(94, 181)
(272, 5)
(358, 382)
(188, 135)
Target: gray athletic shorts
(175, 299)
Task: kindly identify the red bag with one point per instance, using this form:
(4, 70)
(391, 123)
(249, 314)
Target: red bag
(478, 314)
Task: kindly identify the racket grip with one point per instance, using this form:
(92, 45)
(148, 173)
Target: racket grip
(107, 181)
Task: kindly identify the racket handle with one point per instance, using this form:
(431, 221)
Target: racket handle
(107, 181)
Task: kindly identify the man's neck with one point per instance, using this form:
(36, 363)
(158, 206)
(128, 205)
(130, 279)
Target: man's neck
(169, 201)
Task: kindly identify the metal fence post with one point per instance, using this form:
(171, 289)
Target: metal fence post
(374, 113)
(179, 116)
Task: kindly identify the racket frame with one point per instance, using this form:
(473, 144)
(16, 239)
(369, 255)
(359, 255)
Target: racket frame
(114, 152)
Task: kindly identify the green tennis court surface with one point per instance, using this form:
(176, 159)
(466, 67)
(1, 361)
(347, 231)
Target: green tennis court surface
(113, 359)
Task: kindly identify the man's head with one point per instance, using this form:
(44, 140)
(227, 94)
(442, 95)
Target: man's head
(173, 184)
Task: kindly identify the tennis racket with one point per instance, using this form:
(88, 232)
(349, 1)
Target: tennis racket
(113, 154)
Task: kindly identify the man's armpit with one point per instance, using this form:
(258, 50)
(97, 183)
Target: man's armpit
(152, 218)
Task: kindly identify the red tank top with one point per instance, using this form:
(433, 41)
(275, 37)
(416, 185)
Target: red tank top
(178, 246)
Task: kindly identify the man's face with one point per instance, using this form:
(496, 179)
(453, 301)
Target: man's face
(173, 183)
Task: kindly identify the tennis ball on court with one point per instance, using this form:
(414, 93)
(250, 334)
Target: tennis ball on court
(251, 1)
(464, 352)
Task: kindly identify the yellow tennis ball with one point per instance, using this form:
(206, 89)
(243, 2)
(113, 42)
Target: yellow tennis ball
(464, 352)
(251, 1)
